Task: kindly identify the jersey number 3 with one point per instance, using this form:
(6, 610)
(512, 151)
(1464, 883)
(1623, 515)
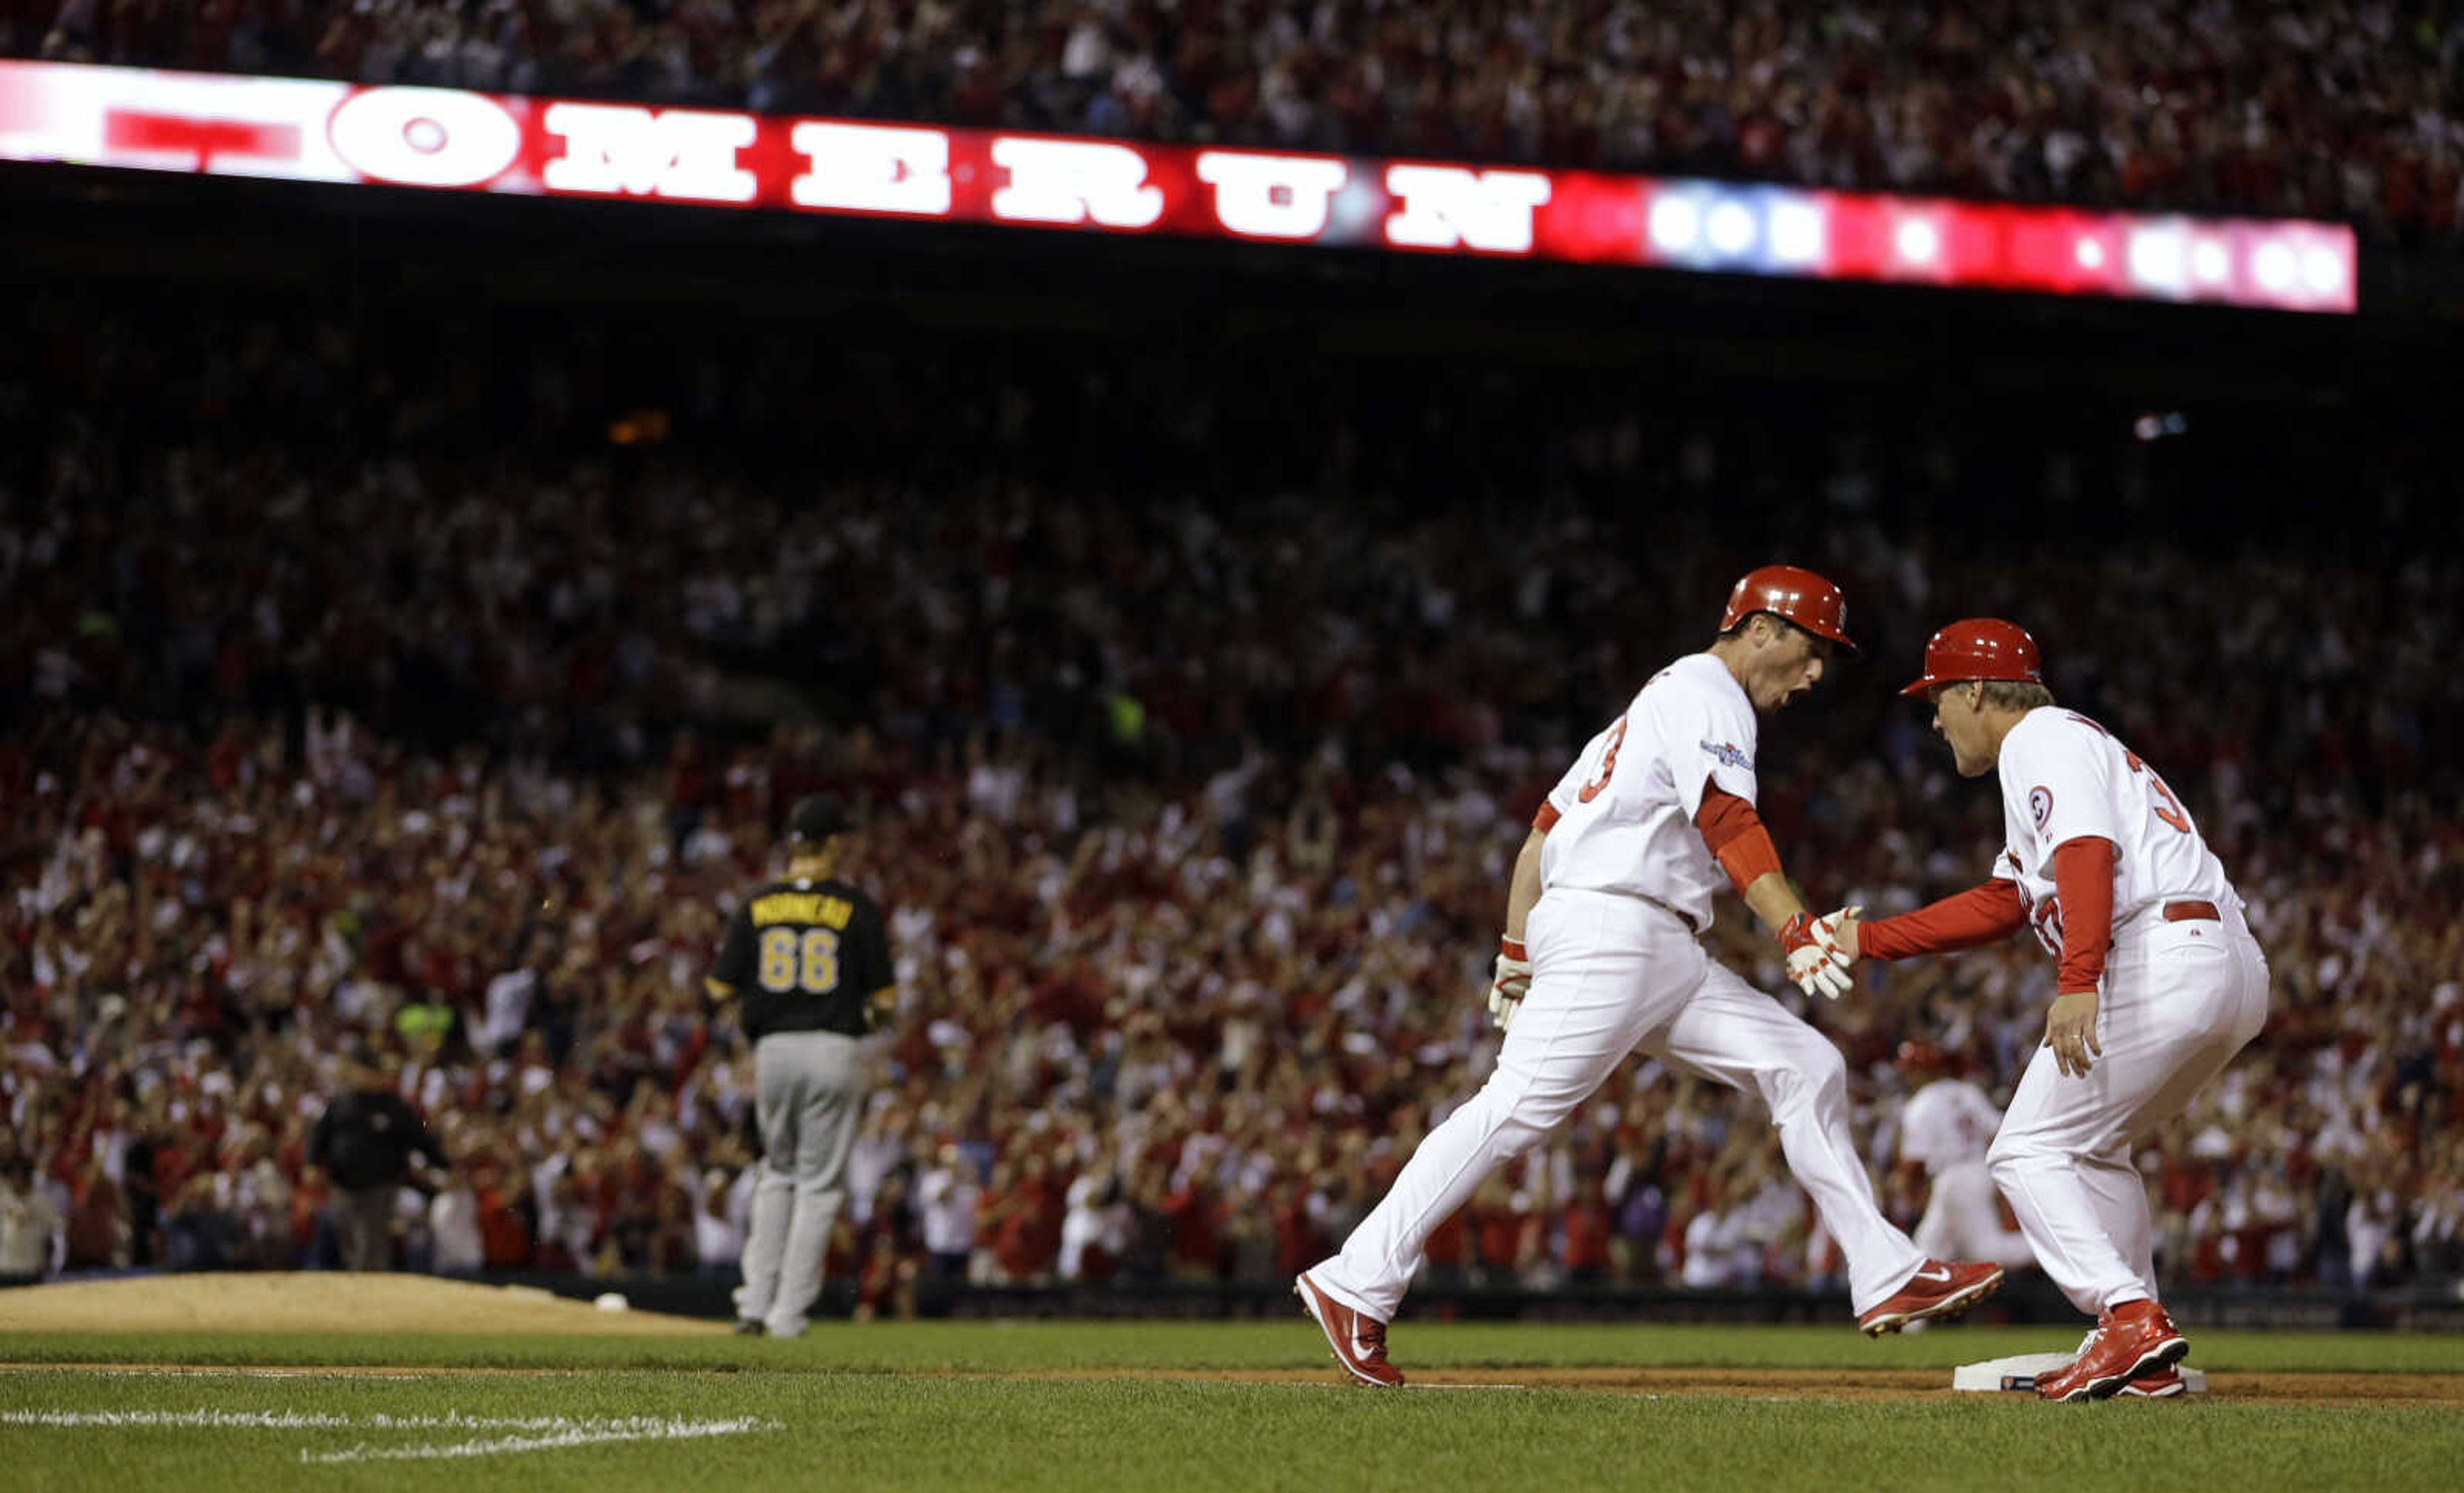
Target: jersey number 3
(800, 959)
(1608, 764)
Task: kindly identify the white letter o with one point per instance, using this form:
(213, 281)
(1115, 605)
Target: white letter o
(425, 137)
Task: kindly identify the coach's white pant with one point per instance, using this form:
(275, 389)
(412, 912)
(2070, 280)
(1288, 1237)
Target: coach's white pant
(1610, 974)
(2178, 1000)
(1962, 1220)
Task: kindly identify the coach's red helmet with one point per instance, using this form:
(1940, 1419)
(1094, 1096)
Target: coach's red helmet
(1980, 648)
(1798, 595)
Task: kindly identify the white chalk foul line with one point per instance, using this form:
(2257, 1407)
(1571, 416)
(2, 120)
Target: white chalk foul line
(173, 1371)
(311, 1420)
(576, 1436)
(533, 1432)
(216, 1373)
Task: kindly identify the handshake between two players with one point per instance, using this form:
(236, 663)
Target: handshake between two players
(2161, 982)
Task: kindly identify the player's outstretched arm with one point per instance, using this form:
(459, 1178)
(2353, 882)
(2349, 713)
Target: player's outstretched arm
(1984, 914)
(1736, 839)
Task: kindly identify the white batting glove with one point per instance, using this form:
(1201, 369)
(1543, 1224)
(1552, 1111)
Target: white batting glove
(1826, 931)
(1512, 981)
(1817, 964)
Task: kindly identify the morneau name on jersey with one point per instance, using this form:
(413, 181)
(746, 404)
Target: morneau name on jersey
(802, 907)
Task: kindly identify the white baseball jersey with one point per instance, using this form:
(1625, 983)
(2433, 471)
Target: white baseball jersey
(2064, 776)
(1946, 1123)
(1625, 810)
(1612, 976)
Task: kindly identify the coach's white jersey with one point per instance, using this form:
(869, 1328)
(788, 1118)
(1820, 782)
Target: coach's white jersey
(1946, 1123)
(1625, 810)
(2064, 777)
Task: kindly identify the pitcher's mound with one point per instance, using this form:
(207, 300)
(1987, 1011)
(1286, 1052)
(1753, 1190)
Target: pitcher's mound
(321, 1301)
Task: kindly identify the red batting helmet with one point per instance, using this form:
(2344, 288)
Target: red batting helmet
(1980, 648)
(1799, 595)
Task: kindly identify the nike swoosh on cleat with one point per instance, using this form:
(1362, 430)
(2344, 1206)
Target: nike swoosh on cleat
(1935, 1273)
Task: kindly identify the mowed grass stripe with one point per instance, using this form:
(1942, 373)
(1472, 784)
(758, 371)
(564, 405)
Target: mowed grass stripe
(1084, 1346)
(901, 1431)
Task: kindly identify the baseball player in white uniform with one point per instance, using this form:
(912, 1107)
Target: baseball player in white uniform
(2161, 983)
(1603, 953)
(1944, 1129)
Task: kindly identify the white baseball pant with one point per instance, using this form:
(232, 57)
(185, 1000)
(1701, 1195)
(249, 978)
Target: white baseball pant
(2177, 1001)
(1609, 975)
(1962, 1220)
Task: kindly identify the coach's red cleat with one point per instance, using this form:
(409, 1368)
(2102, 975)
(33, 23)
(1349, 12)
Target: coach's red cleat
(2163, 1384)
(1358, 1341)
(1940, 1288)
(2133, 1339)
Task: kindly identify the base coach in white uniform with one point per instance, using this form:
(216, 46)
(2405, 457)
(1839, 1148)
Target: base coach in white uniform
(1611, 895)
(2161, 983)
(807, 958)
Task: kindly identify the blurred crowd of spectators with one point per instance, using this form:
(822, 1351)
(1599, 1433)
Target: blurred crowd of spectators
(2346, 108)
(356, 695)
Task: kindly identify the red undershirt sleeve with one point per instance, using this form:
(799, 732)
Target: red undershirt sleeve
(1734, 835)
(2083, 880)
(1980, 915)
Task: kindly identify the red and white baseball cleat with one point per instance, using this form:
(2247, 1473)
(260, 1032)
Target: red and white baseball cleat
(1358, 1340)
(1940, 1288)
(2131, 1341)
(2163, 1384)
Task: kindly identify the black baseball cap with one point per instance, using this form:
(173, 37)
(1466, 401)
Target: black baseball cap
(815, 820)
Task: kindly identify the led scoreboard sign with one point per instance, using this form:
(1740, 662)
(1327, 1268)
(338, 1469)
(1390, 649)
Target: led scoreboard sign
(301, 129)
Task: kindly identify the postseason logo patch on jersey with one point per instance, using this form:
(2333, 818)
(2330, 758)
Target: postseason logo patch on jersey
(2041, 806)
(1735, 757)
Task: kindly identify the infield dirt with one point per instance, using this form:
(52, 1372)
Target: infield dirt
(322, 1302)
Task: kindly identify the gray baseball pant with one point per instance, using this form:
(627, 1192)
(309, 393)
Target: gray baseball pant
(808, 1095)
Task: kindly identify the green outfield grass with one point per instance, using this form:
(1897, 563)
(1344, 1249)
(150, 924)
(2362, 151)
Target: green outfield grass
(912, 1406)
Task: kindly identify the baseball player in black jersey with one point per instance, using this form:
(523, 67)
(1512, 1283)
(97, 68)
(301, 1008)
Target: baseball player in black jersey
(808, 960)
